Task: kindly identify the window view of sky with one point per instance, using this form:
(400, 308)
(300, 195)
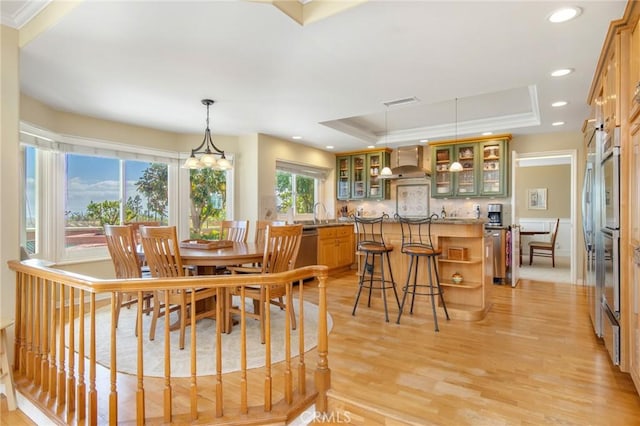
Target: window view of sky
(88, 179)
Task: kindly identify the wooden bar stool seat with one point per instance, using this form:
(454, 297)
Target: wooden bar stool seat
(6, 374)
(417, 243)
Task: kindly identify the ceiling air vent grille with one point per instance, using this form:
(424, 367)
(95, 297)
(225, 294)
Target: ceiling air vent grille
(404, 101)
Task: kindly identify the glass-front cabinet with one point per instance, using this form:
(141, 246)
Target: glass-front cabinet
(442, 157)
(344, 177)
(484, 167)
(492, 166)
(467, 180)
(358, 175)
(359, 182)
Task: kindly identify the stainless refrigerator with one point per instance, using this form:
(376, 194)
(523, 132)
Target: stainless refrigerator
(589, 213)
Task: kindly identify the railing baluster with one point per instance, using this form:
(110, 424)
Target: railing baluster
(267, 354)
(302, 369)
(46, 324)
(93, 393)
(288, 391)
(30, 310)
(140, 408)
(71, 378)
(167, 360)
(219, 321)
(193, 381)
(113, 395)
(37, 377)
(322, 374)
(61, 396)
(53, 383)
(81, 389)
(244, 408)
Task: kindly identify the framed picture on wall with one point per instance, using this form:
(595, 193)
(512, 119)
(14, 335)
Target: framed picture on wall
(537, 199)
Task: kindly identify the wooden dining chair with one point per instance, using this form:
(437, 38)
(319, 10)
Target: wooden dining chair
(280, 254)
(234, 230)
(545, 248)
(261, 229)
(162, 251)
(121, 244)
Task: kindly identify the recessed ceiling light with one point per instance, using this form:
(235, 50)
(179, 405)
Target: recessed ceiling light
(558, 123)
(424, 140)
(329, 147)
(565, 14)
(559, 104)
(561, 72)
(371, 146)
(296, 137)
(487, 133)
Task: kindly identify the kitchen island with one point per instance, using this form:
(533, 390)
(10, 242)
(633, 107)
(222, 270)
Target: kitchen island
(464, 251)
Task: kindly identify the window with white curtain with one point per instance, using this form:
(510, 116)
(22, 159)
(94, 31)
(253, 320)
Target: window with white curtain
(73, 187)
(298, 189)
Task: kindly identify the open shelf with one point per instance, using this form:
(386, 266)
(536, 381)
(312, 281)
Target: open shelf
(461, 285)
(466, 262)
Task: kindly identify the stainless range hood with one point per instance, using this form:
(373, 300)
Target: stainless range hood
(409, 164)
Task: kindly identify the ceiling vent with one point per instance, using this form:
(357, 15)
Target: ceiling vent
(409, 161)
(398, 102)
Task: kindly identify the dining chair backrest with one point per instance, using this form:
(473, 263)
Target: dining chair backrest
(416, 232)
(162, 251)
(369, 231)
(122, 248)
(554, 233)
(135, 226)
(261, 230)
(281, 248)
(234, 230)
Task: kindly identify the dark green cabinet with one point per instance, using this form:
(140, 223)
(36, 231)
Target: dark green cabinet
(484, 168)
(358, 175)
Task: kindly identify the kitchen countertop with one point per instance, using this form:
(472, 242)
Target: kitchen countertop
(343, 222)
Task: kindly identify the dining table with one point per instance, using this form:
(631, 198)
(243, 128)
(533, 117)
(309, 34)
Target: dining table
(209, 261)
(529, 233)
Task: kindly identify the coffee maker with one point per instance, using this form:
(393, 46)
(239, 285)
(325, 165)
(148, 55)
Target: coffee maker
(494, 212)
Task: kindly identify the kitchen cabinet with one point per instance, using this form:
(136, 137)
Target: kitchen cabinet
(469, 299)
(634, 250)
(358, 175)
(336, 247)
(484, 167)
(343, 165)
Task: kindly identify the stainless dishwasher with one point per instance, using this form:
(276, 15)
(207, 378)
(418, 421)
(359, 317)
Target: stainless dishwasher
(499, 253)
(308, 253)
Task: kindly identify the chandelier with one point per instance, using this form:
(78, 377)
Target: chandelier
(210, 153)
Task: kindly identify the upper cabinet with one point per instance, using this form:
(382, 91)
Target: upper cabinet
(358, 175)
(484, 164)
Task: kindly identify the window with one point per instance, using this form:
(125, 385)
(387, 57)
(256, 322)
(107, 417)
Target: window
(30, 212)
(104, 190)
(72, 188)
(298, 188)
(208, 202)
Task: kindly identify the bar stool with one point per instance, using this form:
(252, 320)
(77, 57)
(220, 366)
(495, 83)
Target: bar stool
(417, 243)
(371, 244)
(6, 375)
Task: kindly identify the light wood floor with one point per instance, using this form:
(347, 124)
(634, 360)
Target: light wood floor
(534, 360)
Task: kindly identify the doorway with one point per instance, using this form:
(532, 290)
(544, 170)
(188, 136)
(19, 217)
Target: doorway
(530, 172)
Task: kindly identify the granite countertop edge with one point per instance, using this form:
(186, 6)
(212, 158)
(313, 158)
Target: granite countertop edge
(446, 221)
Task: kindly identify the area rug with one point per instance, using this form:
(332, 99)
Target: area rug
(153, 358)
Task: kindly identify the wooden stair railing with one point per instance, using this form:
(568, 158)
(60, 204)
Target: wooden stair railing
(61, 379)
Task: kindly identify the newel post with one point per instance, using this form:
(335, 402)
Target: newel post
(322, 373)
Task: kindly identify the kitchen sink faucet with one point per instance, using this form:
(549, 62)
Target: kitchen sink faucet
(316, 218)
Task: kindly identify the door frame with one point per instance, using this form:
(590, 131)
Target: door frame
(545, 158)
